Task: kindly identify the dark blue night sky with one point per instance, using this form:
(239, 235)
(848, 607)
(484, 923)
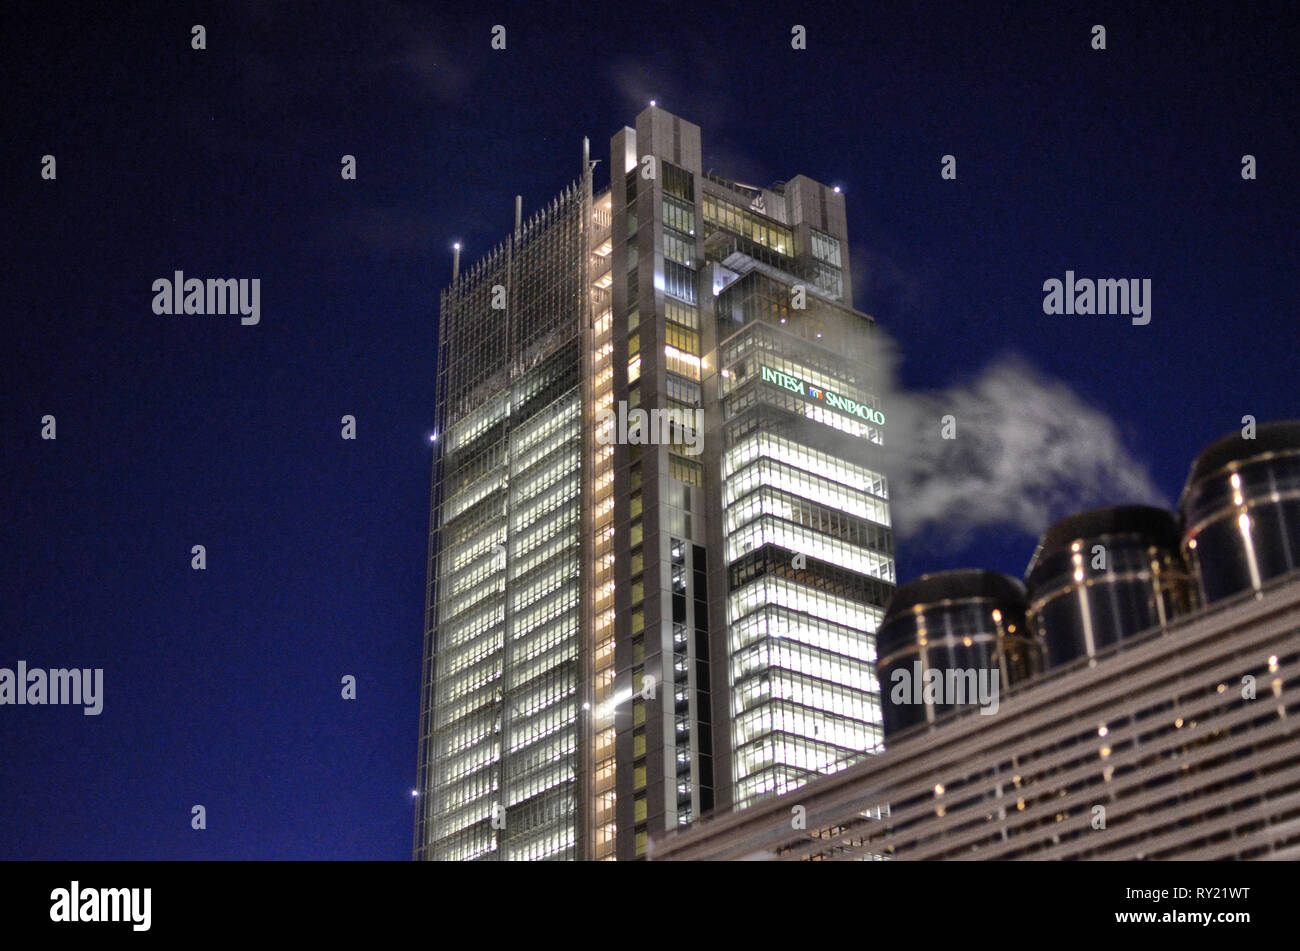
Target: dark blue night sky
(222, 687)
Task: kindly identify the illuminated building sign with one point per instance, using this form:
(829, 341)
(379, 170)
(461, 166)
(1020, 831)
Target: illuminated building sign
(808, 391)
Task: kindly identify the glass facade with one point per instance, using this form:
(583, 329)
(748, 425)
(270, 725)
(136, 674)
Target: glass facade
(500, 728)
(806, 535)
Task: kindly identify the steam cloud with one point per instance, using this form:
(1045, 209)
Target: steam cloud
(1027, 452)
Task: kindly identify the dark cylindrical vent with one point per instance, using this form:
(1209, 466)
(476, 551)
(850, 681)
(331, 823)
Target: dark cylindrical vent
(949, 640)
(1241, 509)
(1104, 575)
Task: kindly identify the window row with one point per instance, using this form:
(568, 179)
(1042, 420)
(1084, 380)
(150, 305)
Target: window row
(801, 629)
(834, 699)
(793, 454)
(688, 341)
(679, 281)
(797, 597)
(815, 725)
(681, 250)
(756, 228)
(687, 315)
(800, 659)
(806, 484)
(470, 495)
(561, 542)
(820, 518)
(786, 750)
(683, 364)
(678, 182)
(829, 279)
(825, 248)
(680, 390)
(679, 215)
(450, 607)
(470, 627)
(845, 569)
(685, 470)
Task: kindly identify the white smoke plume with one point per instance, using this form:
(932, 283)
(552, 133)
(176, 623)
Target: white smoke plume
(1026, 451)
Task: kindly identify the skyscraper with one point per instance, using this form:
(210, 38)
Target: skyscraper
(659, 534)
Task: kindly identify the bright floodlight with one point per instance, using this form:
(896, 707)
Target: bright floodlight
(652, 102)
(457, 244)
(837, 189)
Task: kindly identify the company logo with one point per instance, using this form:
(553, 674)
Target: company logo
(834, 400)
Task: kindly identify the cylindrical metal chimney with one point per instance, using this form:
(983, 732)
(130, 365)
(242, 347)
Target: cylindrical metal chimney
(948, 629)
(1104, 575)
(1241, 510)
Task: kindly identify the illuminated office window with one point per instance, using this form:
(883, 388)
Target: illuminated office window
(677, 249)
(679, 215)
(682, 313)
(685, 470)
(687, 341)
(825, 248)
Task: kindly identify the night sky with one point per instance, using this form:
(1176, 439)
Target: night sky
(222, 686)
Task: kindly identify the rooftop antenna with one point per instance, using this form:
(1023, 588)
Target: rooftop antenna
(455, 261)
(519, 213)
